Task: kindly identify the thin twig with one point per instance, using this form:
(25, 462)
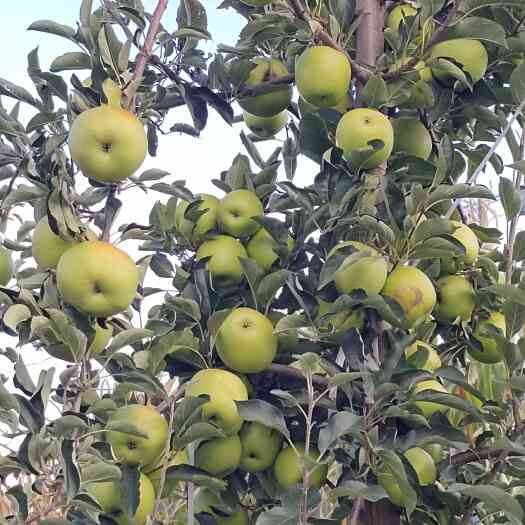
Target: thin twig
(356, 511)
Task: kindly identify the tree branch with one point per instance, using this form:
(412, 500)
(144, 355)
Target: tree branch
(472, 456)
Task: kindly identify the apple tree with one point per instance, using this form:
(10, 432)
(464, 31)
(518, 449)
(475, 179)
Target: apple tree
(348, 351)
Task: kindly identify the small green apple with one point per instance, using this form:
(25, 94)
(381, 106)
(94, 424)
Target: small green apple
(456, 299)
(411, 137)
(224, 388)
(260, 446)
(276, 99)
(224, 265)
(366, 273)
(236, 211)
(265, 127)
(429, 407)
(491, 353)
(108, 494)
(322, 76)
(423, 356)
(288, 467)
(219, 456)
(6, 266)
(245, 341)
(131, 449)
(357, 129)
(97, 278)
(261, 246)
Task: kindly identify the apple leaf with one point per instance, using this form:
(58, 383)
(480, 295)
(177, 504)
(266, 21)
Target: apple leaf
(130, 489)
(510, 198)
(375, 92)
(71, 473)
(128, 337)
(337, 426)
(476, 28)
(357, 489)
(126, 427)
(264, 413)
(197, 432)
(195, 475)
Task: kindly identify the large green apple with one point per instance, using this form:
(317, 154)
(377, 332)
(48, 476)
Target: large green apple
(469, 240)
(413, 290)
(357, 129)
(469, 54)
(179, 458)
(47, 248)
(261, 246)
(322, 76)
(99, 342)
(236, 211)
(224, 265)
(108, 494)
(423, 356)
(456, 299)
(429, 407)
(277, 98)
(366, 273)
(491, 352)
(6, 266)
(289, 471)
(219, 456)
(411, 137)
(132, 449)
(195, 231)
(97, 278)
(245, 341)
(108, 143)
(224, 388)
(265, 127)
(260, 446)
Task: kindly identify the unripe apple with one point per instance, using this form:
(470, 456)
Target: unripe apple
(276, 99)
(132, 449)
(456, 299)
(423, 356)
(322, 76)
(224, 388)
(365, 273)
(108, 143)
(47, 247)
(288, 468)
(265, 127)
(411, 137)
(261, 246)
(219, 456)
(245, 341)
(413, 290)
(470, 54)
(260, 446)
(357, 129)
(236, 210)
(224, 265)
(108, 495)
(429, 407)
(491, 352)
(97, 278)
(6, 266)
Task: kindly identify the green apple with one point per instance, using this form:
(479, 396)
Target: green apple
(469, 54)
(357, 129)
(276, 99)
(490, 353)
(287, 340)
(131, 449)
(224, 265)
(99, 342)
(236, 211)
(219, 456)
(289, 471)
(260, 446)
(343, 106)
(469, 240)
(108, 495)
(224, 388)
(366, 273)
(47, 247)
(108, 143)
(195, 231)
(423, 356)
(265, 127)
(179, 458)
(429, 407)
(322, 76)
(6, 266)
(411, 137)
(413, 290)
(261, 246)
(456, 299)
(398, 14)
(423, 464)
(97, 278)
(245, 341)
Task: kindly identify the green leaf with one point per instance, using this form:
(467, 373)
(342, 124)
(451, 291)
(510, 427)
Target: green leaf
(492, 496)
(336, 427)
(130, 489)
(7, 400)
(278, 516)
(270, 285)
(314, 139)
(71, 473)
(264, 413)
(511, 293)
(517, 83)
(14, 315)
(9, 89)
(69, 426)
(195, 475)
(100, 471)
(433, 228)
(186, 307)
(375, 92)
(458, 191)
(510, 198)
(198, 431)
(126, 427)
(449, 400)
(357, 489)
(49, 26)
(477, 28)
(128, 337)
(71, 61)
